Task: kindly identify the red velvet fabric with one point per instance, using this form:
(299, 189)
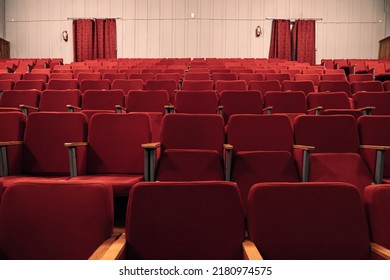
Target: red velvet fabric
(63, 84)
(305, 86)
(102, 99)
(94, 85)
(240, 102)
(198, 85)
(11, 76)
(372, 86)
(89, 75)
(224, 76)
(373, 130)
(248, 77)
(379, 100)
(315, 78)
(44, 152)
(196, 102)
(6, 85)
(46, 221)
(286, 102)
(36, 76)
(308, 221)
(94, 39)
(280, 46)
(264, 86)
(128, 85)
(168, 85)
(197, 76)
(194, 220)
(335, 86)
(147, 101)
(56, 100)
(334, 100)
(277, 76)
(114, 76)
(12, 126)
(13, 98)
(222, 85)
(376, 198)
(303, 44)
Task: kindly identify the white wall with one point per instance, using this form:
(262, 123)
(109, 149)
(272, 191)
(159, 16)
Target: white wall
(2, 18)
(221, 28)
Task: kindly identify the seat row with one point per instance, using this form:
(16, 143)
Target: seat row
(118, 148)
(202, 220)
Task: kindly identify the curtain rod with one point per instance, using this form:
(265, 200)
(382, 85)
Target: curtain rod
(74, 18)
(293, 19)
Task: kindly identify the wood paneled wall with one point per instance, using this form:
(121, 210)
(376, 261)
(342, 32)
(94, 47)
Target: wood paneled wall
(221, 28)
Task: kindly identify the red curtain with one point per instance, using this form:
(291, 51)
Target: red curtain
(304, 35)
(280, 39)
(82, 39)
(94, 39)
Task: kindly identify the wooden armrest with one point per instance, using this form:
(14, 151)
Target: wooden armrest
(120, 107)
(304, 147)
(154, 145)
(220, 107)
(268, 109)
(366, 108)
(111, 249)
(374, 147)
(11, 143)
(76, 144)
(318, 108)
(28, 107)
(380, 250)
(72, 107)
(169, 109)
(250, 251)
(228, 147)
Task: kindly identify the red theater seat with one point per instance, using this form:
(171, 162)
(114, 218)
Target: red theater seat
(128, 85)
(63, 84)
(54, 221)
(378, 102)
(196, 102)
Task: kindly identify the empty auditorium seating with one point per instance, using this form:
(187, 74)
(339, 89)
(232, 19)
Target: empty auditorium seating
(169, 85)
(360, 77)
(94, 85)
(366, 86)
(87, 76)
(30, 84)
(375, 141)
(223, 76)
(12, 126)
(333, 145)
(248, 77)
(334, 77)
(264, 86)
(114, 76)
(6, 85)
(36, 76)
(386, 86)
(191, 148)
(58, 100)
(63, 84)
(11, 76)
(315, 78)
(169, 76)
(277, 76)
(11, 100)
(308, 221)
(54, 221)
(196, 102)
(144, 77)
(240, 102)
(197, 85)
(331, 103)
(202, 220)
(379, 101)
(113, 154)
(127, 85)
(262, 148)
(222, 85)
(376, 199)
(44, 156)
(335, 86)
(305, 86)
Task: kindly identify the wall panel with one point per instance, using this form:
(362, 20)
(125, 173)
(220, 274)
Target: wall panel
(221, 28)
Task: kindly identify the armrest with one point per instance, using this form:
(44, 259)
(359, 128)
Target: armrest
(150, 155)
(268, 110)
(72, 147)
(71, 108)
(220, 110)
(169, 109)
(305, 159)
(379, 160)
(372, 71)
(317, 110)
(366, 110)
(250, 251)
(4, 156)
(25, 108)
(380, 250)
(120, 109)
(228, 161)
(111, 249)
